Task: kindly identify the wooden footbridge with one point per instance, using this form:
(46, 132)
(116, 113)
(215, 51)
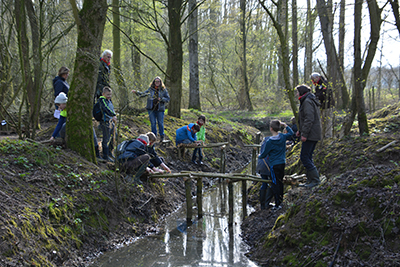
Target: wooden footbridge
(229, 178)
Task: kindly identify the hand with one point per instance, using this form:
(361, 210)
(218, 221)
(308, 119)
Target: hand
(114, 118)
(149, 170)
(165, 167)
(157, 170)
(298, 134)
(133, 91)
(303, 139)
(283, 124)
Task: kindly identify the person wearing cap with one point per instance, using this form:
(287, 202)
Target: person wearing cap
(61, 102)
(309, 132)
(103, 77)
(325, 97)
(135, 158)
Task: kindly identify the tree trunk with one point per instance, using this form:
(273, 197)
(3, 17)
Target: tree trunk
(90, 21)
(342, 31)
(244, 95)
(395, 9)
(310, 22)
(175, 56)
(122, 89)
(295, 44)
(194, 90)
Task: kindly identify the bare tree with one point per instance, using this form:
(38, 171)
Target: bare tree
(194, 90)
(295, 45)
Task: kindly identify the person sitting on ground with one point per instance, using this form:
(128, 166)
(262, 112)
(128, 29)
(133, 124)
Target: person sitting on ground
(61, 101)
(274, 149)
(107, 124)
(187, 134)
(155, 159)
(135, 158)
(201, 136)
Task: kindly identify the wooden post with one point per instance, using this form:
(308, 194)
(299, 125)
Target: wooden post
(244, 199)
(254, 161)
(188, 188)
(230, 203)
(258, 141)
(223, 159)
(199, 197)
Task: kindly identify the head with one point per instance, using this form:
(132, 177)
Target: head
(157, 82)
(293, 120)
(144, 139)
(195, 128)
(152, 138)
(61, 100)
(201, 119)
(107, 55)
(302, 89)
(63, 72)
(107, 92)
(315, 77)
(275, 125)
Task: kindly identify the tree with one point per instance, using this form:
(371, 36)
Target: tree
(295, 43)
(308, 54)
(90, 21)
(194, 90)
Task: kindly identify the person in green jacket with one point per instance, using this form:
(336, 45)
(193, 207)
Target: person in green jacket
(201, 136)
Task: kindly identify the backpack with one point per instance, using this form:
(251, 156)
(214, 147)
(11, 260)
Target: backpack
(97, 113)
(122, 147)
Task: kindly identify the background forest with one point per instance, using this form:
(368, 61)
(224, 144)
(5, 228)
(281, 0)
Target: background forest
(213, 55)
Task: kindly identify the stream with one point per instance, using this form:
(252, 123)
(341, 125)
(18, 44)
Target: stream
(207, 242)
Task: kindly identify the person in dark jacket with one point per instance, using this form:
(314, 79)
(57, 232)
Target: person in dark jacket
(273, 151)
(309, 132)
(107, 125)
(103, 77)
(325, 96)
(60, 85)
(157, 97)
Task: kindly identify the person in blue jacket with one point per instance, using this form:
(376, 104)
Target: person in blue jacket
(274, 149)
(187, 134)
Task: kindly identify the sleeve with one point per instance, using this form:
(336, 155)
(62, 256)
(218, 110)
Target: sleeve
(165, 98)
(289, 133)
(143, 94)
(105, 108)
(309, 116)
(265, 150)
(60, 123)
(58, 88)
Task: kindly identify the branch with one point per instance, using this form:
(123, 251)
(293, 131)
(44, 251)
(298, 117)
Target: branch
(75, 11)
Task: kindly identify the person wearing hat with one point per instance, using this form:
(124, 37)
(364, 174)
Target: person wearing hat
(61, 102)
(60, 85)
(135, 158)
(309, 132)
(325, 97)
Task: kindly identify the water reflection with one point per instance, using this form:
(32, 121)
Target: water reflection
(207, 242)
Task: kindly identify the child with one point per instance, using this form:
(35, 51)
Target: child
(155, 159)
(187, 134)
(201, 136)
(274, 149)
(107, 124)
(61, 101)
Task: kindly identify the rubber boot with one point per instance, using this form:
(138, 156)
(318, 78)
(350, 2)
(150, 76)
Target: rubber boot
(308, 180)
(263, 194)
(139, 173)
(313, 175)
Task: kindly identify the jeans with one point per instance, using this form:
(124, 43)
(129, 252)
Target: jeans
(306, 154)
(156, 117)
(197, 151)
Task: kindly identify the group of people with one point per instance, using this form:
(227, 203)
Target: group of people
(272, 158)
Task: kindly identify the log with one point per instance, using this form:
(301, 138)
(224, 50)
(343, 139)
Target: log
(193, 145)
(386, 146)
(252, 145)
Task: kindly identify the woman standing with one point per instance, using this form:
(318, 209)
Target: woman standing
(60, 85)
(157, 97)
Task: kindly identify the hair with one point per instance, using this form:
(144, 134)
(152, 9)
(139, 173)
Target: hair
(315, 75)
(153, 83)
(152, 137)
(293, 120)
(63, 70)
(107, 52)
(202, 117)
(303, 89)
(275, 125)
(106, 89)
(196, 127)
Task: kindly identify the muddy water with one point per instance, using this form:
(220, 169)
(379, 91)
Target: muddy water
(207, 242)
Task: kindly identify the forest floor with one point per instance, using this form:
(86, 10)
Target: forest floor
(351, 219)
(58, 209)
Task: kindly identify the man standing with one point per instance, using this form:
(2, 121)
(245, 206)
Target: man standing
(325, 97)
(103, 78)
(310, 132)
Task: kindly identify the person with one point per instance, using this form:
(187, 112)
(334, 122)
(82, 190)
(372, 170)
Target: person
(60, 85)
(135, 158)
(294, 128)
(107, 124)
(103, 77)
(200, 136)
(61, 102)
(187, 134)
(157, 97)
(273, 150)
(309, 132)
(155, 159)
(325, 97)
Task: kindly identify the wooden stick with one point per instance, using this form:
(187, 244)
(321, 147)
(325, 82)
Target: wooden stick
(384, 147)
(193, 145)
(188, 189)
(230, 201)
(199, 197)
(252, 145)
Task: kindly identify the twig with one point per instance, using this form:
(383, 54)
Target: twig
(388, 145)
(336, 251)
(145, 203)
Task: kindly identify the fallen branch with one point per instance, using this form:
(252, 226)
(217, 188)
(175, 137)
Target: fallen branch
(384, 147)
